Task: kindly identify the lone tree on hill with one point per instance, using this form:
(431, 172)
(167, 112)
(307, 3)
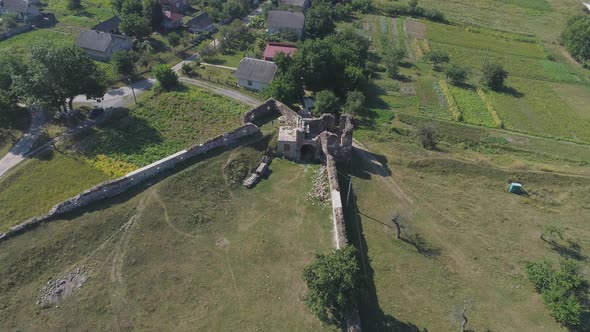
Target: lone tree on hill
(494, 76)
(427, 136)
(335, 283)
(456, 74)
(166, 76)
(438, 57)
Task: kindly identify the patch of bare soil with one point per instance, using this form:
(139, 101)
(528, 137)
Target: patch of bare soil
(415, 28)
(60, 288)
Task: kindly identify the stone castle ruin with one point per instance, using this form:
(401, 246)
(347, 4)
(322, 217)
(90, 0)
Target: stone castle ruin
(305, 139)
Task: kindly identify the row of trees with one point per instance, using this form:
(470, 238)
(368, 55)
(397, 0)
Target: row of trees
(51, 75)
(576, 38)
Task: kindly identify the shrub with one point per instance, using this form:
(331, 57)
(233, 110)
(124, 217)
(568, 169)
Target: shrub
(187, 69)
(438, 57)
(456, 74)
(494, 75)
(575, 37)
(326, 102)
(165, 76)
(427, 136)
(563, 290)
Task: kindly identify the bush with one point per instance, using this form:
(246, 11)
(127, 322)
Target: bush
(438, 57)
(575, 37)
(563, 290)
(494, 76)
(326, 102)
(456, 74)
(165, 76)
(427, 136)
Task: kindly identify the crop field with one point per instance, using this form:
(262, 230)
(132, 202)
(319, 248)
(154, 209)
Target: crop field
(164, 123)
(475, 236)
(472, 108)
(194, 251)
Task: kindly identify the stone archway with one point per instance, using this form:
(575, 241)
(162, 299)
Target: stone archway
(307, 153)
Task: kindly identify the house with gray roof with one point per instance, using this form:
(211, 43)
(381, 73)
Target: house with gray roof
(296, 4)
(200, 23)
(279, 21)
(110, 26)
(255, 74)
(101, 45)
(23, 9)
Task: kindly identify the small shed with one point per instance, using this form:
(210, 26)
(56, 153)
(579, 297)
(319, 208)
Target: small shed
(515, 188)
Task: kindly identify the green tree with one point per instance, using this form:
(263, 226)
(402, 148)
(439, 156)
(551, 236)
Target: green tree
(166, 76)
(427, 136)
(135, 25)
(494, 76)
(129, 7)
(124, 63)
(10, 21)
(392, 59)
(173, 40)
(284, 88)
(563, 290)
(576, 37)
(8, 108)
(236, 36)
(152, 10)
(355, 101)
(413, 5)
(74, 4)
(334, 283)
(319, 21)
(438, 57)
(326, 102)
(57, 74)
(363, 6)
(456, 74)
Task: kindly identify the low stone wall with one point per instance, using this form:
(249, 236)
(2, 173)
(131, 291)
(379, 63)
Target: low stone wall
(114, 187)
(270, 106)
(337, 210)
(15, 32)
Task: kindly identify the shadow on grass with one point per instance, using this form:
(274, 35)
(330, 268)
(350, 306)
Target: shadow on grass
(367, 164)
(572, 250)
(373, 318)
(256, 142)
(511, 91)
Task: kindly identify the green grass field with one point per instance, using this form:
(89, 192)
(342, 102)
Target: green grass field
(478, 235)
(165, 123)
(193, 252)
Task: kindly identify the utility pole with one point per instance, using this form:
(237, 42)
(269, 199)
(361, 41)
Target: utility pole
(132, 90)
(485, 59)
(349, 188)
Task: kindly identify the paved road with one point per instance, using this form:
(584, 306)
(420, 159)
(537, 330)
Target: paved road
(119, 97)
(22, 147)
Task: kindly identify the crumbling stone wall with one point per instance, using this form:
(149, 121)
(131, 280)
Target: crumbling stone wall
(117, 186)
(337, 210)
(271, 106)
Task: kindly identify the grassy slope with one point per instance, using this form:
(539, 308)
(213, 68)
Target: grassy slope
(201, 255)
(484, 235)
(164, 124)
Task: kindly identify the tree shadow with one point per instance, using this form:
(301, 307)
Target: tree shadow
(124, 134)
(511, 91)
(373, 318)
(572, 250)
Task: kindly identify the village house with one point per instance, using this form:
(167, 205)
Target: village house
(109, 26)
(101, 45)
(23, 9)
(172, 20)
(255, 74)
(200, 24)
(178, 6)
(274, 48)
(283, 21)
(296, 4)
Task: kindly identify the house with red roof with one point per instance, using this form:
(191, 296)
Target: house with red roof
(172, 20)
(274, 48)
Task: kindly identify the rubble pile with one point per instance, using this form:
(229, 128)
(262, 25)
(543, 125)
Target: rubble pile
(57, 289)
(320, 191)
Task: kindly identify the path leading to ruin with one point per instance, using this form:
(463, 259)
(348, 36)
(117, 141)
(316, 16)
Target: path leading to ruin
(22, 147)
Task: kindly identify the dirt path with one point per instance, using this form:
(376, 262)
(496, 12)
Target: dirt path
(158, 199)
(226, 92)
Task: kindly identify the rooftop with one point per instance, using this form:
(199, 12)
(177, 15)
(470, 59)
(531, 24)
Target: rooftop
(96, 40)
(256, 70)
(285, 19)
(110, 25)
(273, 48)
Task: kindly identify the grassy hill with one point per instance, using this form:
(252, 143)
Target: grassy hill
(195, 251)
